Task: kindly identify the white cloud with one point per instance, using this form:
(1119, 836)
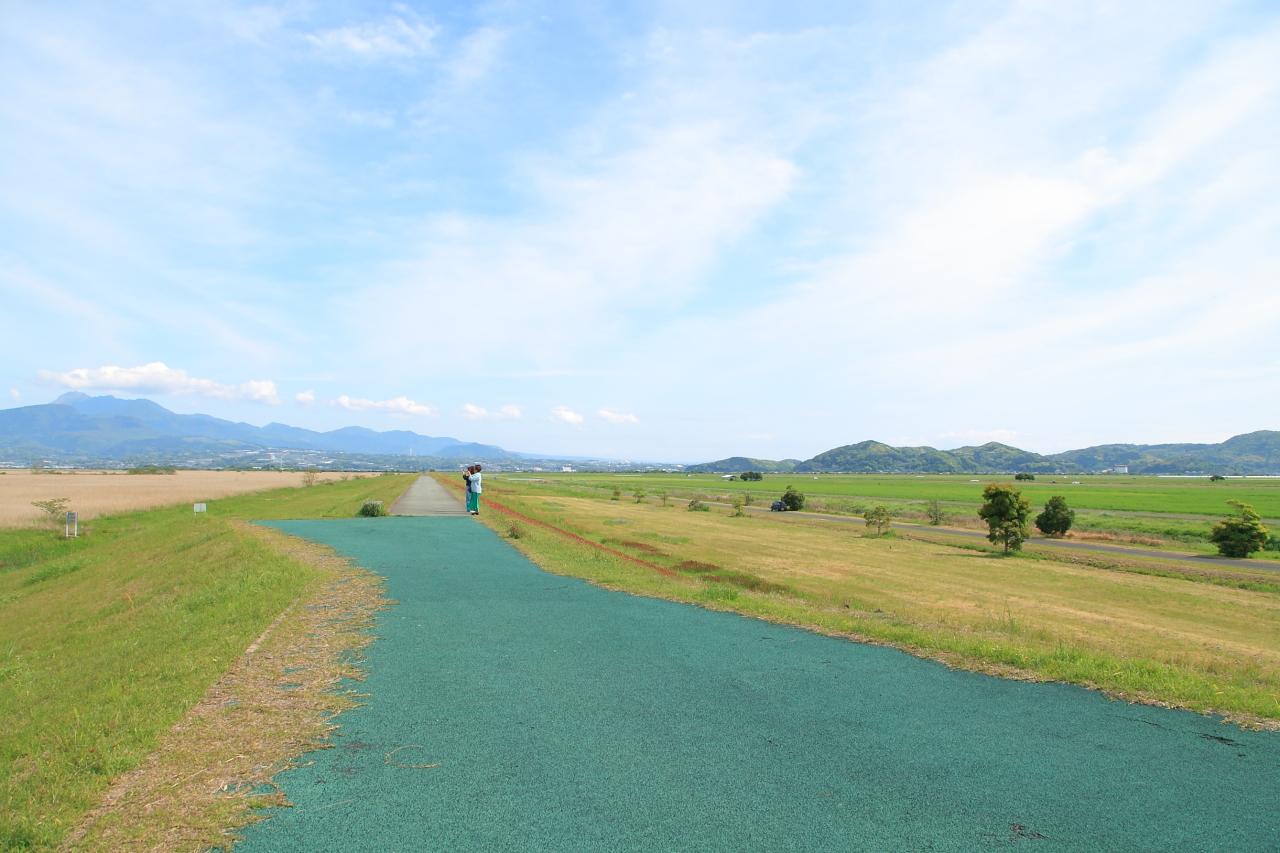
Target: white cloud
(476, 55)
(396, 405)
(505, 413)
(617, 417)
(401, 35)
(306, 398)
(159, 378)
(15, 395)
(567, 415)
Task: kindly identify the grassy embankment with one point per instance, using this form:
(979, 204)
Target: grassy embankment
(106, 641)
(1147, 511)
(1168, 639)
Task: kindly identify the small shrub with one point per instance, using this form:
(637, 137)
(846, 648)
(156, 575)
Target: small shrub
(696, 505)
(1216, 478)
(617, 494)
(792, 500)
(878, 517)
(55, 509)
(372, 509)
(1272, 543)
(738, 511)
(309, 477)
(640, 495)
(515, 531)
(1056, 519)
(662, 496)
(934, 510)
(1240, 536)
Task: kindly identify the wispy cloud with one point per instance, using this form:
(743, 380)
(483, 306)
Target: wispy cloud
(15, 395)
(159, 378)
(396, 405)
(306, 398)
(567, 415)
(401, 35)
(617, 417)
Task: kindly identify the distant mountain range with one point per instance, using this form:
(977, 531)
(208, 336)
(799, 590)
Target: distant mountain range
(79, 429)
(1252, 453)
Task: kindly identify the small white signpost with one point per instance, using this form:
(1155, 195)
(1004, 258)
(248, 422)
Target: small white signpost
(199, 507)
(73, 526)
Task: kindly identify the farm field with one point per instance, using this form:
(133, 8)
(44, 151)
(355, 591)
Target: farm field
(1143, 630)
(94, 493)
(107, 640)
(1154, 511)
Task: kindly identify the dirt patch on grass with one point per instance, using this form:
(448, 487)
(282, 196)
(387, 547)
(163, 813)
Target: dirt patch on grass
(213, 769)
(697, 566)
(636, 546)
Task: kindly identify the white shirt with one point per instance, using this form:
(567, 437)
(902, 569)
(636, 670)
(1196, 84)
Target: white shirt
(475, 483)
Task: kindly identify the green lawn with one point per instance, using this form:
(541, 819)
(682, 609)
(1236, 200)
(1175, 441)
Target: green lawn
(107, 640)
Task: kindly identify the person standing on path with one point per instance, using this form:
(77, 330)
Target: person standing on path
(473, 490)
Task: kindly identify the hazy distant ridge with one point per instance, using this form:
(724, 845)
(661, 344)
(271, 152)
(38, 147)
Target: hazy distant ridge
(78, 426)
(1252, 453)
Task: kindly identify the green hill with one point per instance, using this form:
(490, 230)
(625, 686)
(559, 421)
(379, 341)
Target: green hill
(738, 464)
(1254, 453)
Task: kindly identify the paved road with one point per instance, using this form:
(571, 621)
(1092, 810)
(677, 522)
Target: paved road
(510, 709)
(427, 497)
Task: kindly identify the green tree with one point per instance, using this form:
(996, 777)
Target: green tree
(662, 496)
(792, 500)
(1005, 511)
(1239, 536)
(640, 495)
(1056, 518)
(617, 494)
(879, 518)
(934, 510)
(751, 475)
(1023, 475)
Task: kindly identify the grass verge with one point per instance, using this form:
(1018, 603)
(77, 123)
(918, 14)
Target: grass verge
(109, 640)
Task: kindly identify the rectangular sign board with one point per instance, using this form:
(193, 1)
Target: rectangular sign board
(199, 507)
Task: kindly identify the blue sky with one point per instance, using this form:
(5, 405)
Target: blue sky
(668, 231)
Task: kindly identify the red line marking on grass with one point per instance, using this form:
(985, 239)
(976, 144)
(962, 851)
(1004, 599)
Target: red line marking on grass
(500, 507)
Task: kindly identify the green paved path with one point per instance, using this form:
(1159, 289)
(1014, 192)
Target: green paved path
(566, 717)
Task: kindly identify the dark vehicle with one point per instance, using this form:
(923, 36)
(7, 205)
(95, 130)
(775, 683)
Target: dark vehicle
(777, 506)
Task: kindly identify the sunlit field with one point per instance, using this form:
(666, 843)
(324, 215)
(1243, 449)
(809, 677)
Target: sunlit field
(94, 493)
(1155, 511)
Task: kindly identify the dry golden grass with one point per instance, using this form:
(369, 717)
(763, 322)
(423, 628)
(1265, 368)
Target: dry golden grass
(94, 493)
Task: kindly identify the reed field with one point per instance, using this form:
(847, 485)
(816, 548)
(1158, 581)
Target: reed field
(95, 493)
(1207, 639)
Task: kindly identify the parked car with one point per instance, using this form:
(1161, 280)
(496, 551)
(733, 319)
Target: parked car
(777, 506)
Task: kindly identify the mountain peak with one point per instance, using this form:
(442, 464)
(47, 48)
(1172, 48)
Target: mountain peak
(70, 398)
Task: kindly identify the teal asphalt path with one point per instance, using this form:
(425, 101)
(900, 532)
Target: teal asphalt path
(566, 717)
